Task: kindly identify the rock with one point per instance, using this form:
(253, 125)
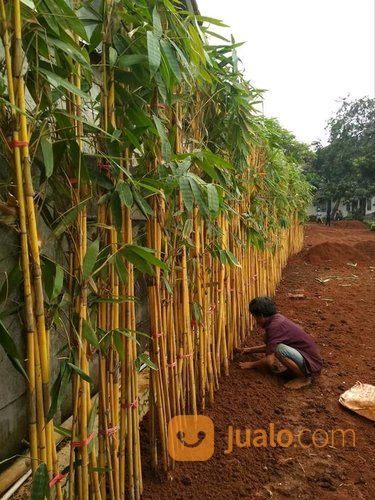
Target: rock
(186, 481)
(298, 296)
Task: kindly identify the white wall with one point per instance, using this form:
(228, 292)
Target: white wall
(313, 208)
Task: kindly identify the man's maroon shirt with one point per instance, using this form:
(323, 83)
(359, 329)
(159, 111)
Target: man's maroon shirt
(280, 330)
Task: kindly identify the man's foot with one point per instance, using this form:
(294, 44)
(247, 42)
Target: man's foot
(286, 375)
(246, 365)
(298, 383)
(278, 370)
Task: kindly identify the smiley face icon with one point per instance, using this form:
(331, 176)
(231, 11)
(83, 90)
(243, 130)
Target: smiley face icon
(191, 438)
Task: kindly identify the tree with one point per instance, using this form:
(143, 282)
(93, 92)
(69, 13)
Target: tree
(345, 168)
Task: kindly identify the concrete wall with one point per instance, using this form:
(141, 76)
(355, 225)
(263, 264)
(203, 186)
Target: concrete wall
(13, 397)
(13, 418)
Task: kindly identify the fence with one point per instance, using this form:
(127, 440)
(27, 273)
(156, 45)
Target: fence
(172, 126)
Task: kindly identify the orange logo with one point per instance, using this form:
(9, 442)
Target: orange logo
(191, 438)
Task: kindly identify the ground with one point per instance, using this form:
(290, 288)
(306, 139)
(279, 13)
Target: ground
(335, 274)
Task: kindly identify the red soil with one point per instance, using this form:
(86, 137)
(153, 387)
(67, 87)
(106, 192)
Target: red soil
(368, 248)
(335, 254)
(340, 315)
(349, 224)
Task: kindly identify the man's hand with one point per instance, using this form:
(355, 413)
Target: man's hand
(265, 362)
(251, 350)
(246, 365)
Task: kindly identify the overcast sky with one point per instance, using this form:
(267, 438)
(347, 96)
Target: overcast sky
(306, 53)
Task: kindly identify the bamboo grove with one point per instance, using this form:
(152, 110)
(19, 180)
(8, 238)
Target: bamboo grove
(111, 111)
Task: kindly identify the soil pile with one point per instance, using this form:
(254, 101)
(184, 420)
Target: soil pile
(350, 224)
(335, 254)
(368, 248)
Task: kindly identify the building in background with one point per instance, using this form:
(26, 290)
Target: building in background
(356, 208)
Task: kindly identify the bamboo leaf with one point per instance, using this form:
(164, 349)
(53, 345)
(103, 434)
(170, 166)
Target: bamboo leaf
(90, 259)
(57, 390)
(183, 59)
(116, 210)
(216, 160)
(158, 29)
(10, 349)
(234, 57)
(167, 285)
(125, 193)
(197, 312)
(91, 422)
(232, 259)
(47, 156)
(62, 431)
(57, 81)
(119, 346)
(166, 149)
(53, 278)
(70, 49)
(120, 268)
(143, 358)
(57, 282)
(187, 193)
(69, 218)
(68, 17)
(128, 60)
(138, 262)
(171, 58)
(255, 238)
(48, 276)
(89, 334)
(112, 57)
(132, 334)
(188, 228)
(153, 50)
(145, 253)
(213, 199)
(81, 373)
(198, 196)
(39, 487)
(142, 258)
(89, 125)
(143, 206)
(29, 3)
(96, 37)
(210, 20)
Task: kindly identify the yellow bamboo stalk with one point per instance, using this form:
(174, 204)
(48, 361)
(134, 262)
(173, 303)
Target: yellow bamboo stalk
(25, 264)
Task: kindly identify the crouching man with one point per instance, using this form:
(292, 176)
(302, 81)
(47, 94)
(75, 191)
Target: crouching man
(286, 342)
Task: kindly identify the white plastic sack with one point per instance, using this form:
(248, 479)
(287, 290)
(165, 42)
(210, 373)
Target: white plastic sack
(361, 399)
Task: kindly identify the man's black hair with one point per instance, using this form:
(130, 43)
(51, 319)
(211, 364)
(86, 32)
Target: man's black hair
(262, 306)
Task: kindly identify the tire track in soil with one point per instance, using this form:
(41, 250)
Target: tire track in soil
(340, 315)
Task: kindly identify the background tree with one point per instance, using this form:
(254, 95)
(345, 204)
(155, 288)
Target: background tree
(345, 168)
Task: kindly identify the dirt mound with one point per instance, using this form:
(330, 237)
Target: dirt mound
(334, 254)
(350, 224)
(367, 247)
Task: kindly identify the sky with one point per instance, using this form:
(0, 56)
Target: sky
(307, 54)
